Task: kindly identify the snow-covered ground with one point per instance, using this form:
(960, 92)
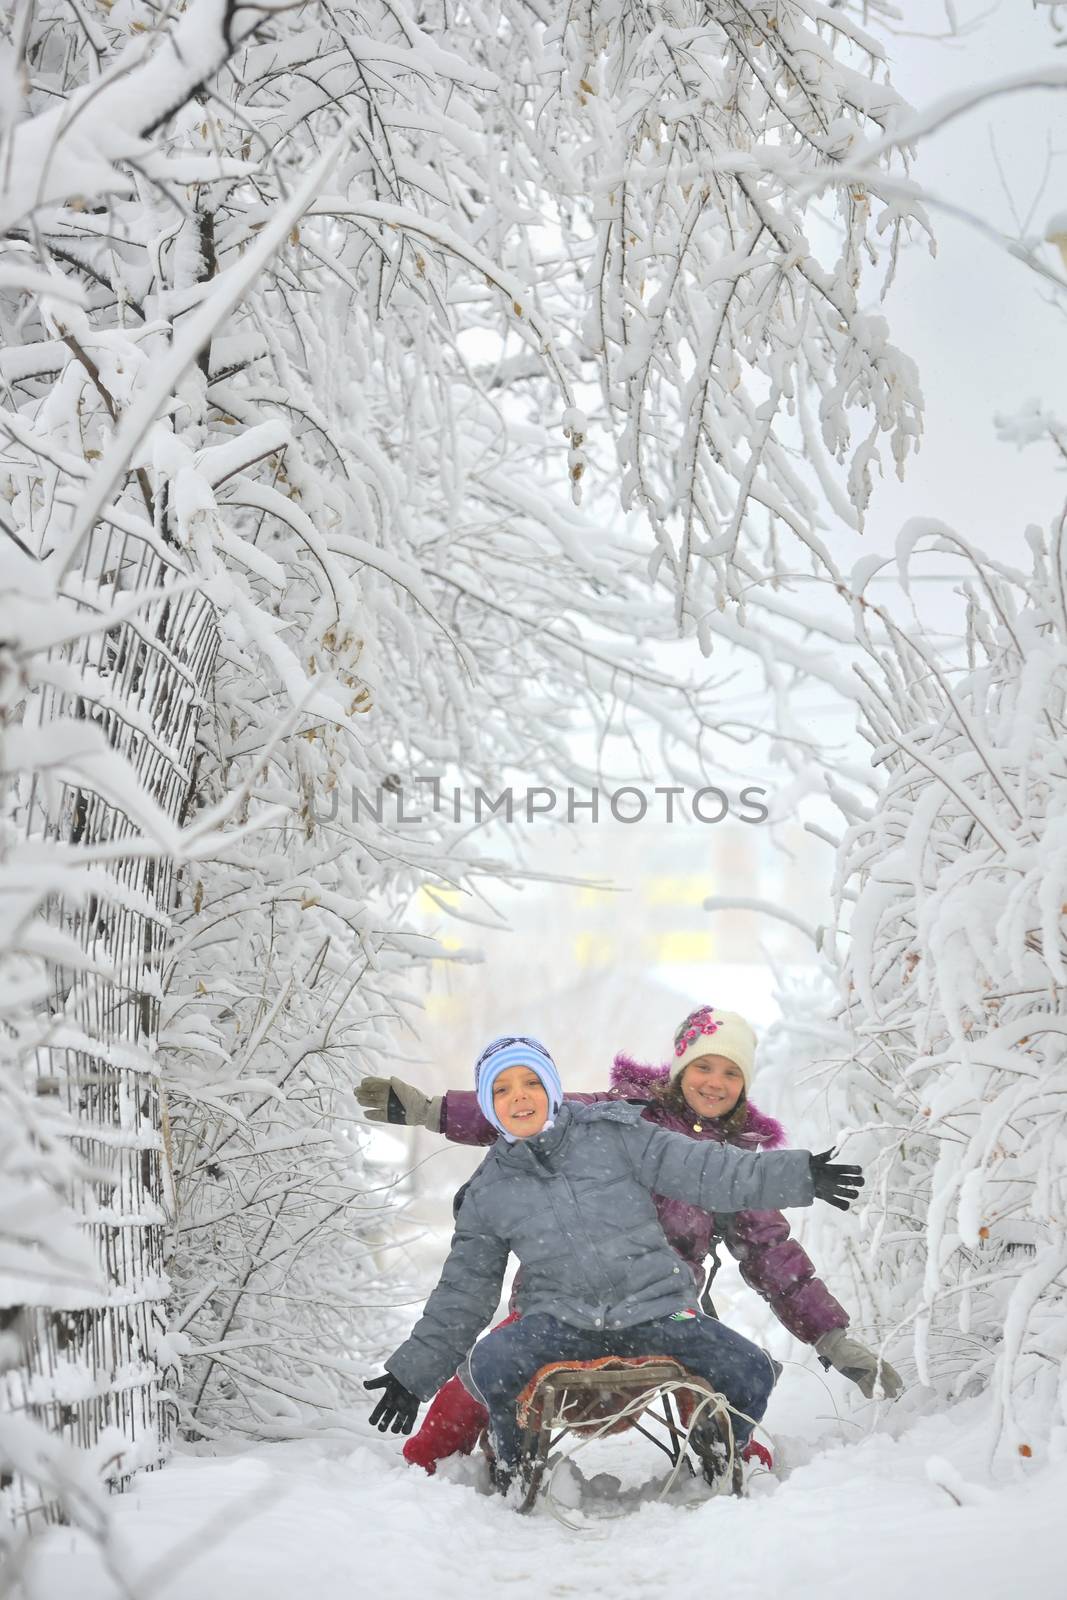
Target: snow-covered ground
(853, 1512)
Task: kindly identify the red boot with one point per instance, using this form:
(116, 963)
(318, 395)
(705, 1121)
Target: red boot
(450, 1427)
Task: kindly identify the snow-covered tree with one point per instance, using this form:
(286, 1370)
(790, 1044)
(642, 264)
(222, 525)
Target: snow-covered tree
(79, 1305)
(109, 649)
(951, 944)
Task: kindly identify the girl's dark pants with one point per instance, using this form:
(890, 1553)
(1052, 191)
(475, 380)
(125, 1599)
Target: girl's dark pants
(503, 1363)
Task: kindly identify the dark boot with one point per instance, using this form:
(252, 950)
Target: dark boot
(708, 1442)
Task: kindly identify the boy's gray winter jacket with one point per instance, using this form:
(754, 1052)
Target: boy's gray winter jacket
(575, 1205)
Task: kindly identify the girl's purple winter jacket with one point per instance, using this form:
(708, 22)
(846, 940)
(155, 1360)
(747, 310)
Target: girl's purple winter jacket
(772, 1262)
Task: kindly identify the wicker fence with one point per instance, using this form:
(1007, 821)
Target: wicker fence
(94, 1371)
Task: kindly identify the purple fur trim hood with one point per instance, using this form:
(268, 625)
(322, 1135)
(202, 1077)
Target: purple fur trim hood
(631, 1079)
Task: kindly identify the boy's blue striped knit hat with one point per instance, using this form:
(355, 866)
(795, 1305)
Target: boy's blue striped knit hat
(515, 1050)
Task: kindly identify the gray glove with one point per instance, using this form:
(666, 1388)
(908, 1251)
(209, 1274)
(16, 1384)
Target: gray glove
(856, 1362)
(392, 1100)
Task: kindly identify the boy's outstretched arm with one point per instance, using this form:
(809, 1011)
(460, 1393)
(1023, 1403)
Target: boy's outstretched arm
(718, 1177)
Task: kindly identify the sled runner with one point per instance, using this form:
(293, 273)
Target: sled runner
(610, 1395)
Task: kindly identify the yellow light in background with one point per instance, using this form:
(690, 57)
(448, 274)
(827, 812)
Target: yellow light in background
(443, 1007)
(688, 890)
(595, 949)
(681, 945)
(449, 942)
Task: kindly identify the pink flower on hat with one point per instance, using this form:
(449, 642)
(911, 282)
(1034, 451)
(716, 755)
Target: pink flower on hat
(737, 1040)
(697, 1023)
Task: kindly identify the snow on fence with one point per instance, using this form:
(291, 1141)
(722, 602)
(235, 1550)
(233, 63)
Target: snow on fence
(91, 1373)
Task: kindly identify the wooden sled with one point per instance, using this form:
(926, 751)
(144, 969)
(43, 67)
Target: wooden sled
(572, 1398)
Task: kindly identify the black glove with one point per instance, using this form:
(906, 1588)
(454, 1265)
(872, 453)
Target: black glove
(397, 1405)
(836, 1184)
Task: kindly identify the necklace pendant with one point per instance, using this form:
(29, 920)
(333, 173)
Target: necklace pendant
(698, 1127)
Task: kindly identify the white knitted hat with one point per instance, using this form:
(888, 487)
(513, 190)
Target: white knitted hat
(711, 1032)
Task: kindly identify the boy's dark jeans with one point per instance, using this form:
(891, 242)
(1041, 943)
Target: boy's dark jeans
(504, 1361)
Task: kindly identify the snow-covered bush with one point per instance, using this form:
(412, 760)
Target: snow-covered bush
(952, 946)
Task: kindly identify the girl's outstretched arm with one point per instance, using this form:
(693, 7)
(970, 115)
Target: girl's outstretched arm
(780, 1269)
(456, 1113)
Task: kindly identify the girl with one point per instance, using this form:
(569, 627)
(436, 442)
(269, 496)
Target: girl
(703, 1093)
(568, 1189)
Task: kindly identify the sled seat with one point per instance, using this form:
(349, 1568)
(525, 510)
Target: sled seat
(579, 1397)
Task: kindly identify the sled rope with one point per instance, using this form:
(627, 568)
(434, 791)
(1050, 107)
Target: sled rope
(714, 1404)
